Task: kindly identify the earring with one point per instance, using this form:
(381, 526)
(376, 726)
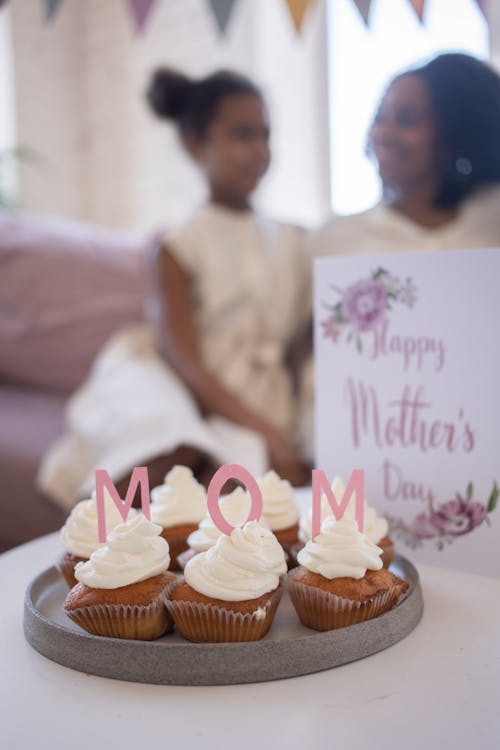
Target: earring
(463, 166)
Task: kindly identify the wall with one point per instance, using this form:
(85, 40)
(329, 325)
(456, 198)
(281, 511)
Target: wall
(103, 157)
(8, 171)
(47, 85)
(494, 24)
(293, 71)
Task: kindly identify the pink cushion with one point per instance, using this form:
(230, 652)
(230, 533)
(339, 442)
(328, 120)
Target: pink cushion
(65, 288)
(30, 420)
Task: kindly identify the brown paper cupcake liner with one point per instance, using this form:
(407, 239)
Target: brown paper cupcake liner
(137, 622)
(322, 610)
(209, 623)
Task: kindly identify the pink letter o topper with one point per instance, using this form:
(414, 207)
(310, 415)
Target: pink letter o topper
(320, 485)
(219, 479)
(103, 480)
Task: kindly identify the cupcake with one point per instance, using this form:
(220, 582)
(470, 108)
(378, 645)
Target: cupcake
(340, 579)
(80, 534)
(374, 526)
(279, 509)
(235, 508)
(232, 591)
(178, 506)
(122, 589)
(305, 528)
(376, 529)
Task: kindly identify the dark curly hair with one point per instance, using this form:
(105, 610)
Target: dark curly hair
(465, 97)
(192, 104)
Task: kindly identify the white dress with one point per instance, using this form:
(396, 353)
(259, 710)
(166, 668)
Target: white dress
(251, 294)
(384, 230)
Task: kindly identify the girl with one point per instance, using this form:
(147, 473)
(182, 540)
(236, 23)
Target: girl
(233, 291)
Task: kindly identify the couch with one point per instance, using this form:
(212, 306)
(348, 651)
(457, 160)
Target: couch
(65, 287)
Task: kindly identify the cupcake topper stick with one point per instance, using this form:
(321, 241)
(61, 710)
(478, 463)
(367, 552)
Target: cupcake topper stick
(320, 485)
(103, 481)
(219, 479)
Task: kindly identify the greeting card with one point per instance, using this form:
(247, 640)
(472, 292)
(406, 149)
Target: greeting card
(407, 355)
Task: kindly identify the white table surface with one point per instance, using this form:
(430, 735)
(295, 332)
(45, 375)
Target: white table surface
(439, 687)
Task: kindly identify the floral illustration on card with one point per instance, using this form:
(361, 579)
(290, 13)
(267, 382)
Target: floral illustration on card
(364, 305)
(443, 524)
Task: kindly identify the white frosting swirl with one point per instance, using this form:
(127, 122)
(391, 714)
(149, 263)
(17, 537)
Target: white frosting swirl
(181, 499)
(305, 522)
(80, 533)
(279, 508)
(133, 552)
(340, 550)
(235, 508)
(242, 566)
(374, 526)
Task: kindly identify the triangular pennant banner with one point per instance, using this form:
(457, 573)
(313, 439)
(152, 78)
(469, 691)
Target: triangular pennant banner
(418, 6)
(482, 5)
(222, 10)
(51, 8)
(298, 11)
(363, 7)
(140, 10)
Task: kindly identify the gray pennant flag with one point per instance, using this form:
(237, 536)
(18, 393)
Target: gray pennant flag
(140, 11)
(363, 7)
(483, 7)
(222, 10)
(51, 8)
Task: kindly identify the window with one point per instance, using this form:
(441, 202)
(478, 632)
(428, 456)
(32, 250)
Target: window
(8, 171)
(362, 60)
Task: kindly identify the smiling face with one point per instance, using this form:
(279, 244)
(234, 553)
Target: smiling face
(403, 136)
(234, 153)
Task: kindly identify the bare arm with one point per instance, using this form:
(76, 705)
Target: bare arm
(299, 352)
(180, 345)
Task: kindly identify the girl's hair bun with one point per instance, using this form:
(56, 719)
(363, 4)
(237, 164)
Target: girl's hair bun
(192, 104)
(168, 93)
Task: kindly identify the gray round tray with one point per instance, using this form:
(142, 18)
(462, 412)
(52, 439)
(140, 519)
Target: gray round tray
(288, 650)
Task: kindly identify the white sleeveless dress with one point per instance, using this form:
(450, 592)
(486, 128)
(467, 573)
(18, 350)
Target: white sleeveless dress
(251, 295)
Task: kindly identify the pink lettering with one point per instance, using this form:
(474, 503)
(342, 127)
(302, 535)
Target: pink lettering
(468, 438)
(364, 411)
(436, 435)
(396, 487)
(406, 425)
(321, 485)
(103, 481)
(219, 479)
(414, 351)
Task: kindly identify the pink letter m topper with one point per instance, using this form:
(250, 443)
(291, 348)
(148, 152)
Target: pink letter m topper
(321, 485)
(103, 481)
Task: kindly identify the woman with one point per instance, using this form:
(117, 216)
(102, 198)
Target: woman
(436, 141)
